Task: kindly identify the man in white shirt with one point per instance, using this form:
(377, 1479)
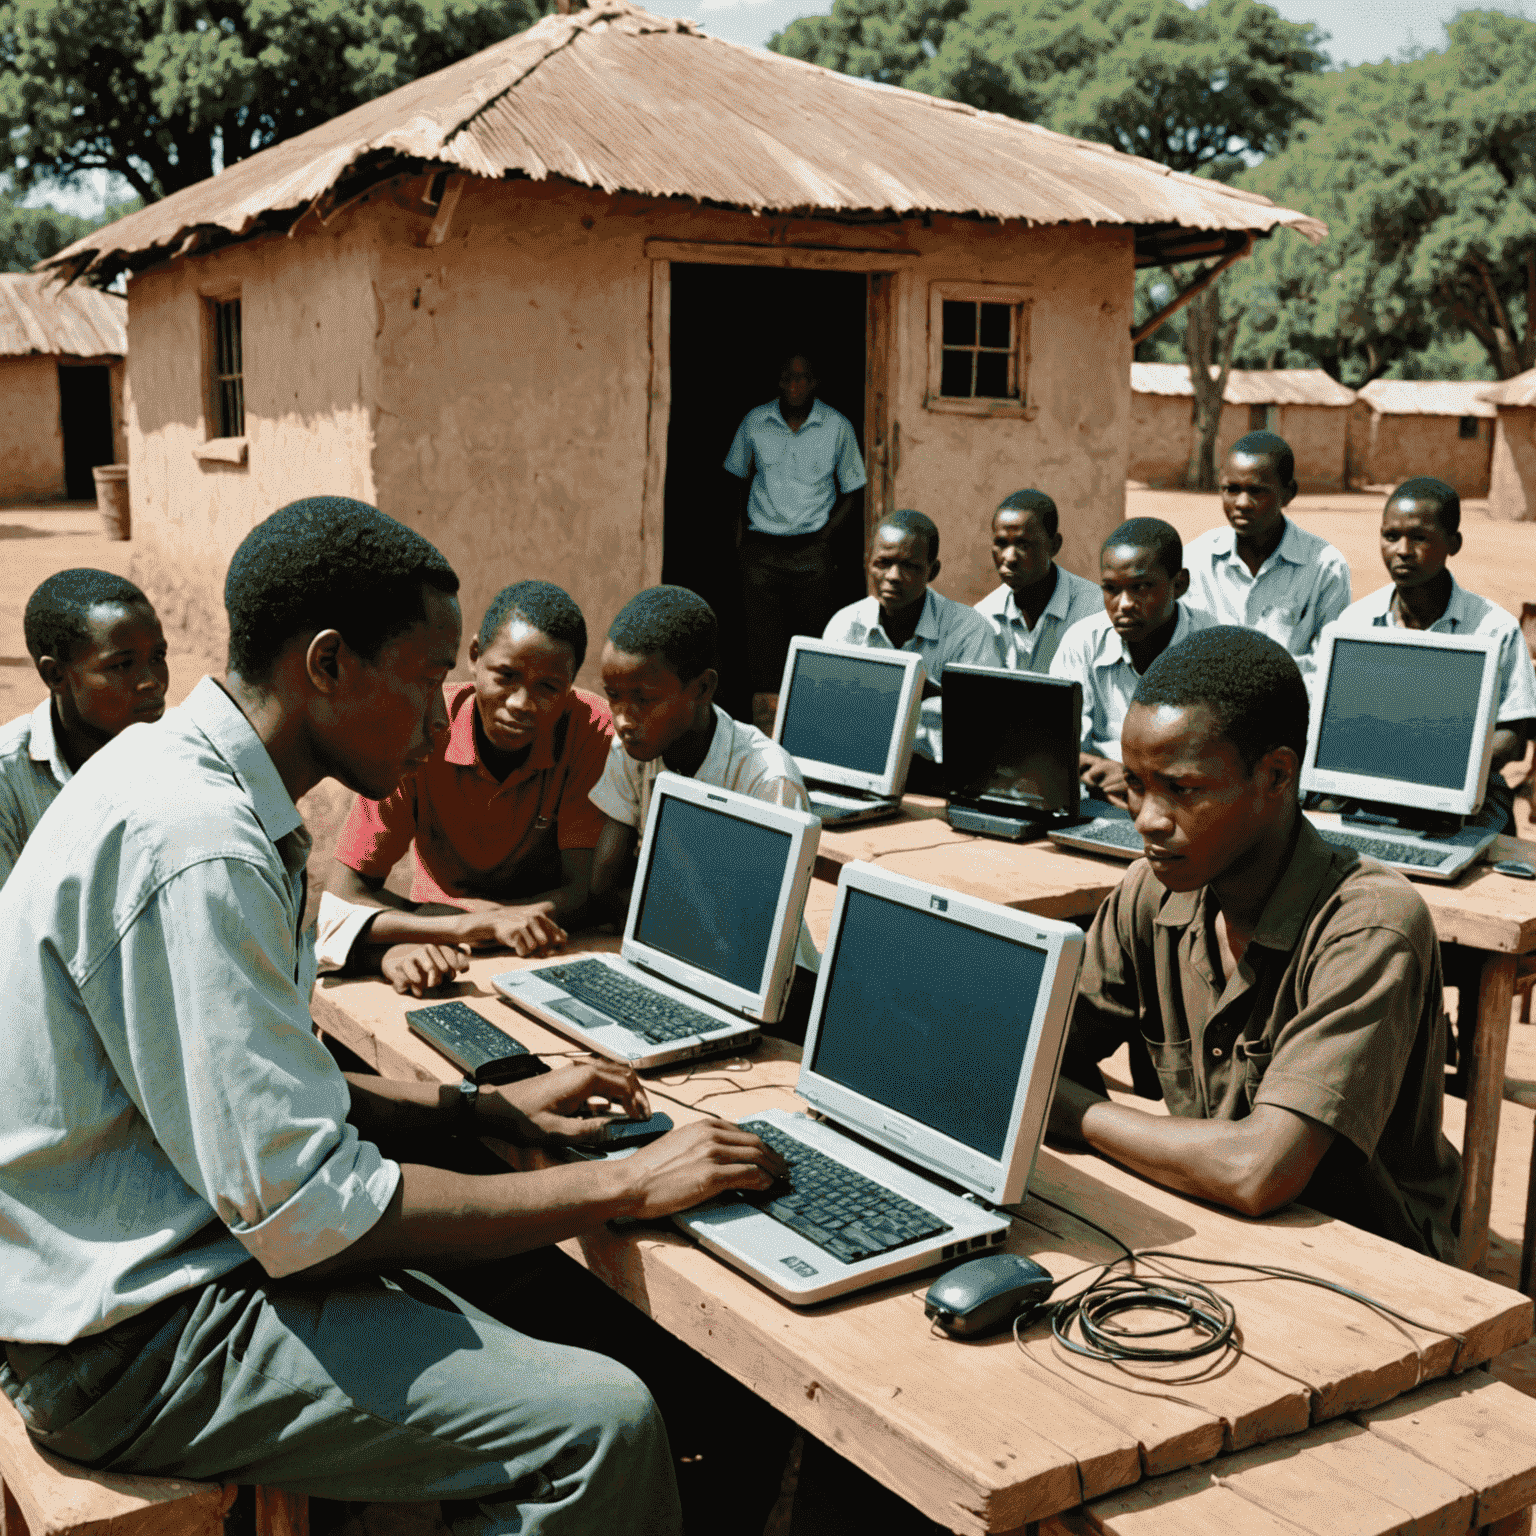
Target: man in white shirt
(1420, 531)
(1261, 571)
(801, 470)
(1038, 602)
(1143, 578)
(904, 613)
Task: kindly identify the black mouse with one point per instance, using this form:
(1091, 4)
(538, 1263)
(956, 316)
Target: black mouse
(986, 1294)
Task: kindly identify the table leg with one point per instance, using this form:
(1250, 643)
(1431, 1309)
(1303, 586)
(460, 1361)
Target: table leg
(1489, 1041)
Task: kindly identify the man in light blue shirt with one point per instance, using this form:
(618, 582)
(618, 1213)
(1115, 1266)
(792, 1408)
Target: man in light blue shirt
(203, 1244)
(801, 470)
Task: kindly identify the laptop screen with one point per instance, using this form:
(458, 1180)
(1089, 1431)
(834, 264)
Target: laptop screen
(929, 1017)
(842, 710)
(1400, 712)
(1012, 740)
(712, 890)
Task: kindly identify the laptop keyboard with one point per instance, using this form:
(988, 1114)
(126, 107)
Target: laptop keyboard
(840, 1211)
(651, 1015)
(1418, 855)
(1122, 834)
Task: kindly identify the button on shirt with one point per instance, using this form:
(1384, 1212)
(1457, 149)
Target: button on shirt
(947, 633)
(1303, 585)
(1022, 649)
(170, 1114)
(1333, 1012)
(796, 476)
(1093, 655)
(1467, 614)
(32, 772)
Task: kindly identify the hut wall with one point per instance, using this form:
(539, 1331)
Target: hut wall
(1512, 483)
(1402, 446)
(1318, 436)
(31, 436)
(1161, 428)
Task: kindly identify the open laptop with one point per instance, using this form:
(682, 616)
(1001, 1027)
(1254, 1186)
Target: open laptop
(1401, 727)
(709, 944)
(847, 716)
(934, 1043)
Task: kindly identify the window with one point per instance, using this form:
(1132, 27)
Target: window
(1261, 418)
(226, 380)
(1467, 427)
(978, 349)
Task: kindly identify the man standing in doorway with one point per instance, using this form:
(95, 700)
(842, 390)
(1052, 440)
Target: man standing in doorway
(801, 470)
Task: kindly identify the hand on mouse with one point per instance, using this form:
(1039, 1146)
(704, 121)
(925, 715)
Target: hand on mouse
(549, 1110)
(689, 1166)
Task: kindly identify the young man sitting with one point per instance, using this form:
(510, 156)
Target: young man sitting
(1262, 571)
(904, 613)
(1038, 602)
(1143, 581)
(97, 645)
(206, 1254)
(1420, 531)
(1288, 992)
(499, 815)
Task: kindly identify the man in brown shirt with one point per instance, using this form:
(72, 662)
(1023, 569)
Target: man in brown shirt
(1288, 993)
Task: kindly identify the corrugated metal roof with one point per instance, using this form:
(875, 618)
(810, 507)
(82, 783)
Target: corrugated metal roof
(38, 315)
(1276, 386)
(1518, 391)
(1428, 397)
(616, 98)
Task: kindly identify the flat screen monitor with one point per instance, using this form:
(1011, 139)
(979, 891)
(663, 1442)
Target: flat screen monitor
(847, 715)
(1011, 741)
(1403, 717)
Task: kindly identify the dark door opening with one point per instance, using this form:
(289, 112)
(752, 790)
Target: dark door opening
(85, 412)
(731, 328)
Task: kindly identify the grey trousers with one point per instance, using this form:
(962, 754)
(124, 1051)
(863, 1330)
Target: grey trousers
(371, 1389)
(786, 590)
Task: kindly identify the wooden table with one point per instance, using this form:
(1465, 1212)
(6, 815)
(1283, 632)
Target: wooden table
(1492, 915)
(986, 1436)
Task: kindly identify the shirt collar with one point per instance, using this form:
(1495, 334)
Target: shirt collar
(1114, 650)
(223, 722)
(928, 619)
(718, 759)
(463, 750)
(814, 417)
(44, 747)
(1061, 598)
(1456, 614)
(1288, 549)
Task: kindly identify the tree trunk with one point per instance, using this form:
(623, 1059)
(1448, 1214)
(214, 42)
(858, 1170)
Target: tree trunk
(1208, 343)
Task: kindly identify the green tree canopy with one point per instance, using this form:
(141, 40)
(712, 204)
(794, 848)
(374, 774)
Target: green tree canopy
(162, 92)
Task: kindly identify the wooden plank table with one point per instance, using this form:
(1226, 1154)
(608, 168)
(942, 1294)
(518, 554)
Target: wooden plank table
(988, 1436)
(1492, 916)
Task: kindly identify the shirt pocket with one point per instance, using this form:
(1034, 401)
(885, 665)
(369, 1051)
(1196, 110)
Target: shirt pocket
(1174, 1063)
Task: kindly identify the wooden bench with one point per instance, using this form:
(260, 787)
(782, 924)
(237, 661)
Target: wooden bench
(1455, 1457)
(44, 1495)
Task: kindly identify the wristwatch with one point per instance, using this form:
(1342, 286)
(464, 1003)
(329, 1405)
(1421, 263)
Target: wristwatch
(464, 1114)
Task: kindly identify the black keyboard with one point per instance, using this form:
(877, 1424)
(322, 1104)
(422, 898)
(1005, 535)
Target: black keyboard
(840, 1211)
(473, 1044)
(651, 1015)
(1419, 855)
(1122, 834)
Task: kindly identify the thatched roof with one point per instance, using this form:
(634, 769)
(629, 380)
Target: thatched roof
(1274, 386)
(1518, 391)
(39, 316)
(1428, 397)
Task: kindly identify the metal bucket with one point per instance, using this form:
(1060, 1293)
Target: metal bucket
(112, 499)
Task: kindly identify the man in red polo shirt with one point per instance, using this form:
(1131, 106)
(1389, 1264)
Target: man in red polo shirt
(499, 815)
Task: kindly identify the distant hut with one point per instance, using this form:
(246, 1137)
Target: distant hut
(1512, 479)
(1305, 406)
(522, 304)
(61, 386)
(1406, 427)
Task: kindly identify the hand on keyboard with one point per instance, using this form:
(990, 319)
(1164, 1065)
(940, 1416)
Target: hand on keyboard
(697, 1163)
(549, 1110)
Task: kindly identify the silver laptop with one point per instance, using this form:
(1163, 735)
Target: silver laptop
(847, 716)
(1105, 828)
(1402, 729)
(932, 1053)
(709, 944)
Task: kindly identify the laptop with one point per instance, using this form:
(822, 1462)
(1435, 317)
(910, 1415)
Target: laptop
(847, 716)
(709, 943)
(933, 1078)
(1401, 729)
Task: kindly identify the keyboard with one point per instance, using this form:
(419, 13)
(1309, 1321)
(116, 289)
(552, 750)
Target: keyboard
(829, 799)
(651, 1015)
(473, 1044)
(1122, 834)
(840, 1211)
(1419, 855)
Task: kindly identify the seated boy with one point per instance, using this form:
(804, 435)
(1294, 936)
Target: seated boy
(904, 613)
(1038, 602)
(1262, 571)
(498, 814)
(97, 645)
(1288, 992)
(1420, 531)
(1142, 576)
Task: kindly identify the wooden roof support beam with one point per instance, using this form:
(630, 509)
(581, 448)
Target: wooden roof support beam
(1139, 333)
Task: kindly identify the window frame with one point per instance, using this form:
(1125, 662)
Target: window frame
(1021, 299)
(219, 383)
(1461, 429)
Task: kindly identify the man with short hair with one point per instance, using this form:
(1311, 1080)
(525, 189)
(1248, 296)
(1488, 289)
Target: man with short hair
(1287, 992)
(205, 1250)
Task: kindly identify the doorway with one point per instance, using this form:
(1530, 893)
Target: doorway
(731, 329)
(85, 413)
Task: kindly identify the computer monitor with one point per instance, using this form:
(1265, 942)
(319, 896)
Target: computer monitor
(1403, 717)
(847, 715)
(938, 1027)
(719, 893)
(1011, 741)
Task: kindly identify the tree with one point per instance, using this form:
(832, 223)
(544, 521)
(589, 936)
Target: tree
(27, 235)
(165, 92)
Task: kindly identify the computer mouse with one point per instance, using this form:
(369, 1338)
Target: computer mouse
(986, 1294)
(1516, 867)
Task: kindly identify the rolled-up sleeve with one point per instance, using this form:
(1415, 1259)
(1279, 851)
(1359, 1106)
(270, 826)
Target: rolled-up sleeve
(200, 1010)
(378, 832)
(850, 463)
(740, 460)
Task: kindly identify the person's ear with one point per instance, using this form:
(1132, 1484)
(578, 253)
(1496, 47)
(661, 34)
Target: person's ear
(1287, 493)
(51, 670)
(933, 573)
(1055, 546)
(474, 649)
(704, 686)
(1180, 584)
(1453, 543)
(1279, 772)
(325, 659)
